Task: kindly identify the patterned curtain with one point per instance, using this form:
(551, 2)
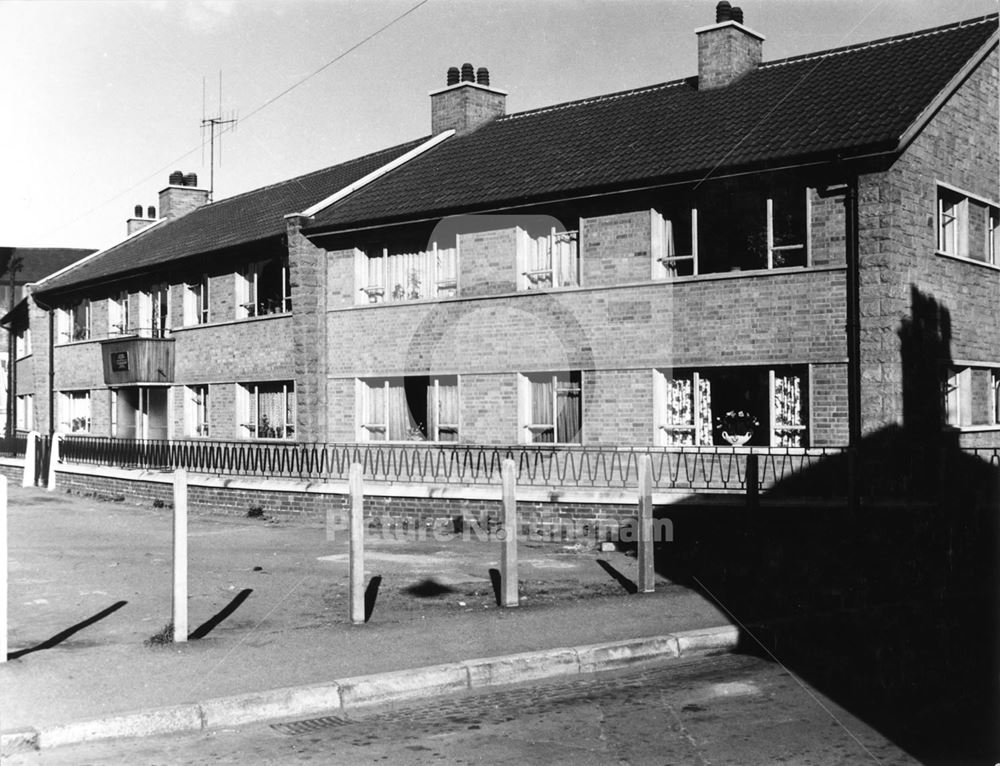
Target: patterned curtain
(705, 411)
(682, 428)
(789, 416)
(270, 416)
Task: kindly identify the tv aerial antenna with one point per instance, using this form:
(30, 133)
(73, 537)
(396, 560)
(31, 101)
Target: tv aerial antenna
(216, 125)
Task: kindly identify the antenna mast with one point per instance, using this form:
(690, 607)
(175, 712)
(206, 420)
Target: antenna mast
(212, 123)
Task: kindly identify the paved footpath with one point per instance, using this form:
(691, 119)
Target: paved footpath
(91, 583)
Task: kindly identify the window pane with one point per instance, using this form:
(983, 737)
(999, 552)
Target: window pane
(568, 401)
(541, 401)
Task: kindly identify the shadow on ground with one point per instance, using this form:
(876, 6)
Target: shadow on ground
(891, 612)
(64, 635)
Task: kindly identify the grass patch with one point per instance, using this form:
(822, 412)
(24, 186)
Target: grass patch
(162, 637)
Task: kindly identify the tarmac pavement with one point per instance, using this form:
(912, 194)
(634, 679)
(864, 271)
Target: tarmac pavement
(90, 585)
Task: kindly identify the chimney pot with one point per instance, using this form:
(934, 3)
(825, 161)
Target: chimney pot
(483, 76)
(138, 211)
(191, 179)
(453, 75)
(723, 12)
(176, 178)
(738, 15)
(150, 212)
(468, 74)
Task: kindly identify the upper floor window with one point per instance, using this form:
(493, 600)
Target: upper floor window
(119, 320)
(267, 410)
(550, 407)
(549, 260)
(732, 229)
(263, 288)
(22, 342)
(74, 412)
(967, 226)
(414, 408)
(74, 321)
(196, 301)
(154, 311)
(387, 275)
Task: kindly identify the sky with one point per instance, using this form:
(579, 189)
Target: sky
(104, 98)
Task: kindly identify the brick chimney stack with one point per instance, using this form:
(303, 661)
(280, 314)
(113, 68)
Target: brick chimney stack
(727, 50)
(138, 222)
(182, 195)
(467, 101)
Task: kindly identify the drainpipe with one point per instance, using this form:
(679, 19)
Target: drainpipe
(853, 344)
(52, 373)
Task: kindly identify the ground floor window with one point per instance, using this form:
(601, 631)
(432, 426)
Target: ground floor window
(550, 407)
(196, 411)
(74, 412)
(25, 414)
(412, 408)
(267, 410)
(695, 407)
(971, 396)
(139, 412)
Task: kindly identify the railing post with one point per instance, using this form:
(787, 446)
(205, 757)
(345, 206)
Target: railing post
(753, 482)
(30, 456)
(180, 606)
(3, 568)
(357, 552)
(53, 460)
(508, 560)
(645, 524)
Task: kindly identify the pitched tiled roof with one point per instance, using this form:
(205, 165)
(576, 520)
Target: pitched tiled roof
(846, 101)
(244, 218)
(38, 262)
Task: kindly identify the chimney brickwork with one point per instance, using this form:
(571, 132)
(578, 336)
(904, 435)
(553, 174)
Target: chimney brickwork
(727, 50)
(467, 104)
(181, 196)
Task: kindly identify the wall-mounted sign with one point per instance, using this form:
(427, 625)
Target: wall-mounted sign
(119, 361)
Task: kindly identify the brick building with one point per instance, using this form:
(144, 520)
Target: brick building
(620, 270)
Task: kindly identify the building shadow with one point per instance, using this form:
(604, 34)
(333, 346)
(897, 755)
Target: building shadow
(892, 611)
(58, 638)
(211, 624)
(628, 584)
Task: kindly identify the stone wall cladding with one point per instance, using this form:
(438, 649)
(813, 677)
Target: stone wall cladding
(308, 272)
(897, 211)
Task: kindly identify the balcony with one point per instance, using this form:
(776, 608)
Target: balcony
(136, 360)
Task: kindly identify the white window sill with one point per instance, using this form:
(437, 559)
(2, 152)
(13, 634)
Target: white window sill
(972, 429)
(966, 259)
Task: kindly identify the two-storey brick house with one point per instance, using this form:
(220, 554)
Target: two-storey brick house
(621, 270)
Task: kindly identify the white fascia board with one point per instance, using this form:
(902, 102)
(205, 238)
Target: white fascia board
(90, 257)
(947, 92)
(402, 159)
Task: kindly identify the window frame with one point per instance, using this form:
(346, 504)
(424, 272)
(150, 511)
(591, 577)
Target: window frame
(24, 412)
(197, 403)
(68, 402)
(440, 283)
(528, 279)
(67, 321)
(366, 426)
(248, 288)
(248, 403)
(197, 297)
(119, 309)
(528, 429)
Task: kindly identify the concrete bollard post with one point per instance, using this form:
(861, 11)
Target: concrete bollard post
(180, 606)
(3, 568)
(645, 524)
(357, 554)
(30, 456)
(753, 482)
(53, 459)
(508, 561)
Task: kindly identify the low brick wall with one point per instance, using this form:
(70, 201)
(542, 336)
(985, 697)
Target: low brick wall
(580, 515)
